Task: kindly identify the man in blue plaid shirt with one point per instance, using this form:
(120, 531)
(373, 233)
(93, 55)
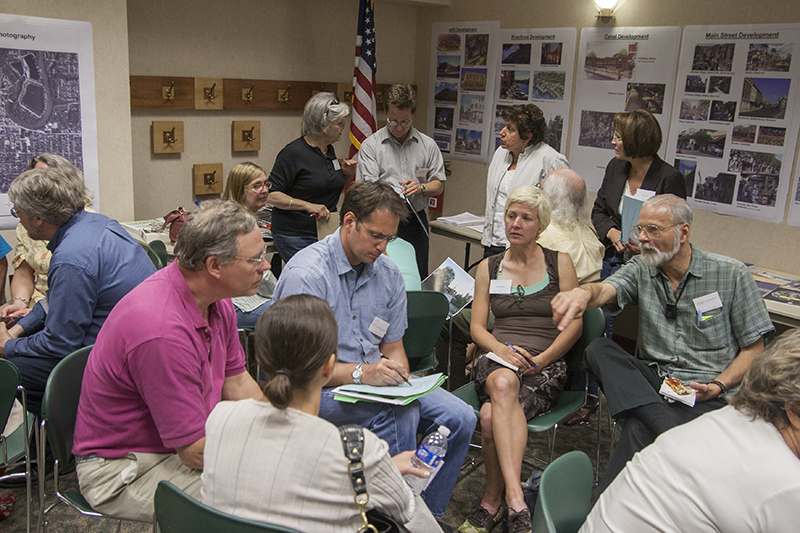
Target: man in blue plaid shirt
(701, 320)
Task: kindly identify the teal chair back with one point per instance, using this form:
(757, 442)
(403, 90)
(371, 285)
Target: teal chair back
(157, 250)
(177, 512)
(565, 493)
(427, 311)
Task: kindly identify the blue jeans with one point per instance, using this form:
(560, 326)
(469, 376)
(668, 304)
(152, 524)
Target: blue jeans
(288, 245)
(398, 425)
(248, 319)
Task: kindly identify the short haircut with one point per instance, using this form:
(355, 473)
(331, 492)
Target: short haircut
(640, 133)
(680, 212)
(528, 119)
(70, 171)
(48, 194)
(772, 384)
(322, 110)
(294, 337)
(213, 231)
(239, 178)
(401, 97)
(567, 193)
(533, 198)
(365, 197)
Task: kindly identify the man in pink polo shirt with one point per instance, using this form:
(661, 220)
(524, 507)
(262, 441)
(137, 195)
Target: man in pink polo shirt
(166, 355)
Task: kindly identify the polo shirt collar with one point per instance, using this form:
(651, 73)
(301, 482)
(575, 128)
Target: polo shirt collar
(193, 315)
(58, 236)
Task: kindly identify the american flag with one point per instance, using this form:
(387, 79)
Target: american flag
(363, 123)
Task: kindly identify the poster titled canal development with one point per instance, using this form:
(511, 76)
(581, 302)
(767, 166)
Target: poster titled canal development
(619, 69)
(536, 67)
(732, 135)
(47, 98)
(462, 88)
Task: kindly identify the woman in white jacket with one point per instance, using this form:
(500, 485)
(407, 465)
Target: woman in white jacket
(523, 158)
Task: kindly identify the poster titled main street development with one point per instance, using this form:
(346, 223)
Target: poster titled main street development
(732, 135)
(536, 66)
(619, 69)
(462, 84)
(46, 98)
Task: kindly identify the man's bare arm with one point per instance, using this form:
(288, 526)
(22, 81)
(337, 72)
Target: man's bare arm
(241, 387)
(570, 305)
(191, 455)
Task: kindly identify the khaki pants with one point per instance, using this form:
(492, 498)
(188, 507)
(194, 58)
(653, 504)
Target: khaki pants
(125, 487)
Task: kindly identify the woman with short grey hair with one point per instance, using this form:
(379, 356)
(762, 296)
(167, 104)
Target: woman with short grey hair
(733, 469)
(307, 179)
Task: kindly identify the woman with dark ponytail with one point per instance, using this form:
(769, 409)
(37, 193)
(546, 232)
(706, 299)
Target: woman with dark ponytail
(276, 461)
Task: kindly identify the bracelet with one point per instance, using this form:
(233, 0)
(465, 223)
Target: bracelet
(21, 299)
(719, 384)
(291, 201)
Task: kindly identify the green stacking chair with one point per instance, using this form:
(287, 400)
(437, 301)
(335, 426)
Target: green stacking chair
(427, 311)
(59, 411)
(177, 512)
(565, 493)
(157, 250)
(570, 401)
(16, 447)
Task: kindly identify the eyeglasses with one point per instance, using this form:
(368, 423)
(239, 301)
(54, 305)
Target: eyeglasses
(405, 123)
(14, 213)
(334, 102)
(378, 238)
(617, 137)
(257, 260)
(651, 230)
(259, 187)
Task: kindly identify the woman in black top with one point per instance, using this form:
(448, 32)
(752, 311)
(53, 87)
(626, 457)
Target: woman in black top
(307, 179)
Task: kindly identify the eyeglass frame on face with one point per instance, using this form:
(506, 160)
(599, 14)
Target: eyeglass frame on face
(616, 137)
(14, 212)
(261, 187)
(405, 123)
(257, 260)
(377, 238)
(652, 231)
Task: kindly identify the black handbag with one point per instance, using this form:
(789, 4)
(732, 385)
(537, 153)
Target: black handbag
(373, 520)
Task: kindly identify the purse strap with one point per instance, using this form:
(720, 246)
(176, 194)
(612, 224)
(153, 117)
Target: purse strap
(353, 445)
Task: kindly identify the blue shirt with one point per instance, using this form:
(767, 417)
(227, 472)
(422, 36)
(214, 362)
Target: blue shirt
(95, 263)
(684, 347)
(323, 270)
(4, 247)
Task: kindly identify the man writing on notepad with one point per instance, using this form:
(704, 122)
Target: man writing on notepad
(367, 295)
(701, 320)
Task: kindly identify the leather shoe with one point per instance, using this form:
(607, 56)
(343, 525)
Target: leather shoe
(580, 416)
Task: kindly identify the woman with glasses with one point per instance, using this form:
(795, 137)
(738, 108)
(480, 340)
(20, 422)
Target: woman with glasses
(636, 165)
(307, 179)
(518, 369)
(247, 186)
(523, 158)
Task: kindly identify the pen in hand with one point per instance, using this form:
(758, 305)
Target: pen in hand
(530, 361)
(401, 375)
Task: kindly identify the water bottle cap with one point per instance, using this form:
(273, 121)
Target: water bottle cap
(444, 431)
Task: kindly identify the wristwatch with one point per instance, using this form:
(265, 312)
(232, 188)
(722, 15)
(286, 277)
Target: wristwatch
(357, 372)
(422, 187)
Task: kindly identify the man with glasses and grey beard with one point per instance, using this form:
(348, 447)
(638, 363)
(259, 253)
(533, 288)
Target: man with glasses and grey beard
(702, 320)
(349, 270)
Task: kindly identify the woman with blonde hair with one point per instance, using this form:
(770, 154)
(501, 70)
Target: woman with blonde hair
(276, 461)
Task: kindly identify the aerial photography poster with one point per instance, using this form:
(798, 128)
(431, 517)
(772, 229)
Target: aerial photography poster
(536, 67)
(464, 58)
(619, 69)
(47, 98)
(736, 100)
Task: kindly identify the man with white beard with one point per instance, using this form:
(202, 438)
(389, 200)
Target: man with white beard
(701, 320)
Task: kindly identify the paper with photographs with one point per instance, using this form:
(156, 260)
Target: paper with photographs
(536, 66)
(464, 58)
(619, 69)
(731, 132)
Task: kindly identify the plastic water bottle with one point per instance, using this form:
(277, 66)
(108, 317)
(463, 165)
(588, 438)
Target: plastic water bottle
(429, 456)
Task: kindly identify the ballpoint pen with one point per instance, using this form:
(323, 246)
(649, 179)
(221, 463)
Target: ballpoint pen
(401, 375)
(530, 361)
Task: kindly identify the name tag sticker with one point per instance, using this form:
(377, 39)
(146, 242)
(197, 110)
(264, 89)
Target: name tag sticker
(421, 173)
(707, 306)
(336, 165)
(500, 286)
(378, 327)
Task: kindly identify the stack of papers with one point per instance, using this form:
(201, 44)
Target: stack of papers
(464, 220)
(397, 395)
